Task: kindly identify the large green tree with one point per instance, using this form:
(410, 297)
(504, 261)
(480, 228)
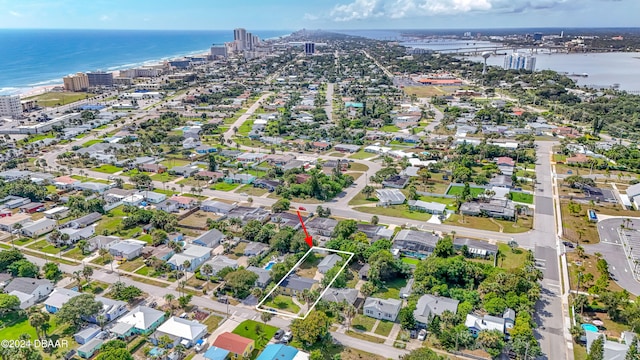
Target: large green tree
(240, 281)
(77, 309)
(311, 330)
(8, 257)
(114, 350)
(8, 303)
(24, 268)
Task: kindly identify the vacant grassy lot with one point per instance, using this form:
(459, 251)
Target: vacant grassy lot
(426, 91)
(106, 168)
(524, 224)
(337, 154)
(361, 155)
(245, 128)
(51, 99)
(389, 128)
(39, 137)
(44, 246)
(576, 227)
(400, 211)
(223, 186)
(457, 190)
(212, 322)
(171, 162)
(251, 190)
(131, 265)
(588, 266)
(522, 197)
(91, 142)
(391, 290)
(198, 219)
(358, 167)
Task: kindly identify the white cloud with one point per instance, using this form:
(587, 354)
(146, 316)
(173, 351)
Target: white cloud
(15, 13)
(398, 9)
(105, 18)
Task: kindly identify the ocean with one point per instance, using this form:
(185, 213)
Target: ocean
(38, 57)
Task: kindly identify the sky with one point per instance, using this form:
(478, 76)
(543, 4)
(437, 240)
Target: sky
(315, 14)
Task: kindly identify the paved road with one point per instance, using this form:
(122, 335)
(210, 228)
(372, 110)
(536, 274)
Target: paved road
(230, 134)
(610, 247)
(549, 310)
(328, 108)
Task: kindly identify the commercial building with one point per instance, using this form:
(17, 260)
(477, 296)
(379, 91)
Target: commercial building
(309, 48)
(77, 82)
(517, 61)
(218, 51)
(240, 38)
(100, 78)
(10, 106)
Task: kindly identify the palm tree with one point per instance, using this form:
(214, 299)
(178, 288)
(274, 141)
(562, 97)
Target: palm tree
(207, 269)
(87, 271)
(349, 312)
(169, 299)
(39, 320)
(77, 276)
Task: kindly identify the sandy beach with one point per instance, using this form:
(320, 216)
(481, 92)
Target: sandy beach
(37, 90)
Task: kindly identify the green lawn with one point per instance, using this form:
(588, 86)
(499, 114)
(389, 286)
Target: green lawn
(441, 200)
(391, 290)
(522, 197)
(389, 128)
(361, 155)
(165, 192)
(212, 322)
(358, 167)
(223, 186)
(107, 168)
(50, 99)
(384, 328)
(359, 199)
(132, 265)
(14, 324)
(75, 253)
(39, 137)
(361, 322)
(91, 142)
(457, 190)
(144, 271)
(44, 246)
(513, 259)
(251, 190)
(400, 211)
(247, 329)
(165, 176)
(88, 179)
(171, 162)
(282, 302)
(245, 128)
(410, 261)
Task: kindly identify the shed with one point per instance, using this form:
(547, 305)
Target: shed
(86, 334)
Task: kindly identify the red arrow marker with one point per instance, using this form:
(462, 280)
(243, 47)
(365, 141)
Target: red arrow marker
(307, 237)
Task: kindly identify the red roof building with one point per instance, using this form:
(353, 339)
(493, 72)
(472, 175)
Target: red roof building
(505, 161)
(234, 343)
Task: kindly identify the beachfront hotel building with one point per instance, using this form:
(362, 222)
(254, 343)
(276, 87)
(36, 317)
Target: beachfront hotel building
(517, 61)
(240, 38)
(10, 106)
(77, 82)
(100, 78)
(309, 48)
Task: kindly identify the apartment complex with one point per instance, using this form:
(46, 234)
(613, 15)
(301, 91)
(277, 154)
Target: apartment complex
(77, 82)
(517, 61)
(100, 78)
(10, 105)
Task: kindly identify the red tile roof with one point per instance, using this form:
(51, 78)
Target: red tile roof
(65, 180)
(505, 160)
(232, 342)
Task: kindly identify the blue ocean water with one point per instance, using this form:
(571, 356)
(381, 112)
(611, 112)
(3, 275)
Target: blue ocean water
(37, 57)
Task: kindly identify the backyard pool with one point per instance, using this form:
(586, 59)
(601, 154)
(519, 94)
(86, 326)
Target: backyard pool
(156, 352)
(589, 327)
(269, 265)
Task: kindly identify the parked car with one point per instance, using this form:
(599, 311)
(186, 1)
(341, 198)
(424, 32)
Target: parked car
(278, 334)
(302, 208)
(422, 335)
(287, 337)
(223, 299)
(568, 244)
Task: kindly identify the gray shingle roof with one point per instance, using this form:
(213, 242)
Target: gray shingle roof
(429, 305)
(295, 282)
(26, 285)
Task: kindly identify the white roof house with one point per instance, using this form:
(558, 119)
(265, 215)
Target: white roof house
(142, 317)
(390, 197)
(186, 331)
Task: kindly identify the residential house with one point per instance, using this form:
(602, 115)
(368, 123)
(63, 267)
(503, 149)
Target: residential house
(248, 158)
(32, 207)
(205, 149)
(388, 197)
(92, 187)
(57, 298)
(375, 232)
(111, 309)
(239, 179)
(144, 319)
(613, 350)
(127, 249)
(495, 208)
(428, 207)
(328, 262)
(181, 331)
(321, 145)
(152, 168)
(185, 171)
(287, 219)
(578, 158)
(65, 182)
(86, 334)
(115, 195)
(415, 243)
(88, 349)
(217, 207)
(9, 223)
(321, 226)
(28, 290)
(363, 273)
(102, 242)
(501, 181)
(84, 221)
(269, 185)
(196, 255)
(429, 306)
(382, 309)
(254, 248)
(396, 181)
(347, 148)
(152, 196)
(209, 239)
(238, 346)
(476, 323)
(75, 234)
(282, 352)
(294, 284)
(38, 227)
(209, 175)
(245, 214)
(475, 247)
(264, 276)
(58, 212)
(340, 295)
(12, 202)
(218, 263)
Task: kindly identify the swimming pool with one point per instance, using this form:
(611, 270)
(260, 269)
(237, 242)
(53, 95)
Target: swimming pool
(589, 327)
(156, 351)
(269, 265)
